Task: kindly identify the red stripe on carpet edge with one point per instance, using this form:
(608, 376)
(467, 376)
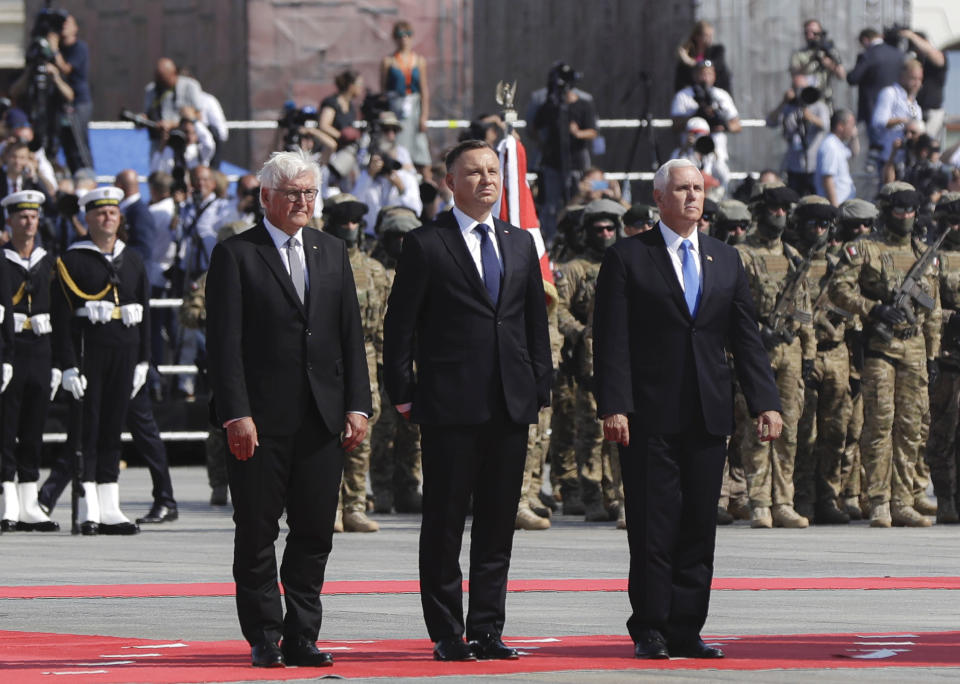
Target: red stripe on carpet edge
(30, 658)
(413, 586)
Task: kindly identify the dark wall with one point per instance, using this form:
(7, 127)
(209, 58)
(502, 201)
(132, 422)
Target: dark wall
(611, 42)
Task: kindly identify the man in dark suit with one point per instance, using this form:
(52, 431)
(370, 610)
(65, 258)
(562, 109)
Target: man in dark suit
(671, 302)
(877, 67)
(467, 310)
(289, 377)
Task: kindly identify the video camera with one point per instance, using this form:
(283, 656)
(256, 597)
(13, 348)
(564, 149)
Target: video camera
(47, 21)
(891, 36)
(822, 44)
(292, 119)
(176, 138)
(560, 80)
(707, 107)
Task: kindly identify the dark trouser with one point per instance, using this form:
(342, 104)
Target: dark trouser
(299, 472)
(146, 438)
(109, 373)
(671, 485)
(71, 147)
(25, 404)
(485, 461)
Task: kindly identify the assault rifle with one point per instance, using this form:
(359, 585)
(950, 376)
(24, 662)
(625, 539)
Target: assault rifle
(775, 329)
(911, 292)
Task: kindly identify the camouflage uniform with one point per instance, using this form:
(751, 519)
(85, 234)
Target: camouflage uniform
(822, 429)
(769, 466)
(597, 460)
(395, 458)
(941, 452)
(894, 377)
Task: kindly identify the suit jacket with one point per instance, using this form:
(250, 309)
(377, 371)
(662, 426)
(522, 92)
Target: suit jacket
(877, 67)
(654, 362)
(141, 229)
(447, 348)
(269, 355)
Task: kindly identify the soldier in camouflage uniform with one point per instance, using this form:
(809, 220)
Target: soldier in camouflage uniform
(564, 474)
(343, 218)
(732, 223)
(576, 290)
(945, 390)
(856, 222)
(395, 459)
(768, 263)
(895, 370)
(822, 430)
(193, 314)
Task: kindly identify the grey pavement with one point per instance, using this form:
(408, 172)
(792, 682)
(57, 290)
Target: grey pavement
(197, 548)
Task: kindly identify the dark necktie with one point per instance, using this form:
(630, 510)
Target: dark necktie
(490, 263)
(691, 278)
(296, 268)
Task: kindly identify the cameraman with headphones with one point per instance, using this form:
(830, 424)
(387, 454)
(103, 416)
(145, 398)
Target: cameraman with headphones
(819, 59)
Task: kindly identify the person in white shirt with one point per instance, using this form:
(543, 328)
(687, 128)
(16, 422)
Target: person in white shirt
(896, 105)
(713, 104)
(832, 176)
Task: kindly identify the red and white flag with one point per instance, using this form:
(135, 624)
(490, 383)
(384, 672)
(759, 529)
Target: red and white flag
(516, 207)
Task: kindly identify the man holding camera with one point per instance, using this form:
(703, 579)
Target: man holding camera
(164, 97)
(803, 116)
(714, 105)
(818, 59)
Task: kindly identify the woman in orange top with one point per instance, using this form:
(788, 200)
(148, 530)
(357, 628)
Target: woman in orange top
(403, 77)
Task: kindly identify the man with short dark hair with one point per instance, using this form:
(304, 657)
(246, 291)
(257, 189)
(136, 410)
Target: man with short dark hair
(467, 356)
(832, 176)
(877, 67)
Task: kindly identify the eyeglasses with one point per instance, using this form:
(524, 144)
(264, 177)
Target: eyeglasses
(293, 195)
(403, 34)
(818, 223)
(903, 211)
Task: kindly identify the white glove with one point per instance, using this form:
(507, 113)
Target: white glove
(39, 323)
(131, 314)
(100, 312)
(74, 383)
(3, 310)
(18, 320)
(55, 376)
(7, 376)
(139, 376)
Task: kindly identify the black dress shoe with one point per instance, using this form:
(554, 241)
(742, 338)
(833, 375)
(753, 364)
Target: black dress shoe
(454, 648)
(695, 649)
(491, 647)
(830, 514)
(45, 526)
(266, 655)
(118, 529)
(159, 514)
(304, 653)
(651, 646)
(89, 528)
(8, 525)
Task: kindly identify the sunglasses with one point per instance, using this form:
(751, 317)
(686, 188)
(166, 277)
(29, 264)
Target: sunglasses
(818, 223)
(856, 223)
(403, 34)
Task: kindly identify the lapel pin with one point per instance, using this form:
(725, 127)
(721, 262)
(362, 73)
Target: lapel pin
(709, 258)
(316, 247)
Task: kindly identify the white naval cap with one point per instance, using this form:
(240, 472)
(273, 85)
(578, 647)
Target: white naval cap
(25, 199)
(107, 196)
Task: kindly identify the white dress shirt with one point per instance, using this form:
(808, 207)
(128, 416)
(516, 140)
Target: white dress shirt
(280, 240)
(674, 241)
(467, 225)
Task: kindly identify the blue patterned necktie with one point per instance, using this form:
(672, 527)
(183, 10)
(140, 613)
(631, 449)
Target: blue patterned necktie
(691, 278)
(490, 263)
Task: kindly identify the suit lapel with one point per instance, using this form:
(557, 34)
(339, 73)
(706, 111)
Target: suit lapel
(311, 250)
(661, 258)
(268, 252)
(453, 240)
(707, 275)
(506, 243)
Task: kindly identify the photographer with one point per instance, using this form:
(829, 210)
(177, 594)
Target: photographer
(930, 97)
(188, 145)
(699, 148)
(165, 97)
(73, 61)
(897, 106)
(803, 116)
(566, 124)
(818, 59)
(386, 183)
(705, 100)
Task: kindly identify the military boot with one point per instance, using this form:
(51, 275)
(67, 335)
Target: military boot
(723, 517)
(760, 517)
(528, 520)
(784, 516)
(383, 502)
(357, 521)
(851, 505)
(338, 521)
(947, 510)
(924, 506)
(595, 511)
(537, 506)
(906, 516)
(572, 502)
(880, 515)
(829, 514)
(739, 509)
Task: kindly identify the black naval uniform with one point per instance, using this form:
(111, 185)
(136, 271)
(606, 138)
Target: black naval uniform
(27, 397)
(110, 351)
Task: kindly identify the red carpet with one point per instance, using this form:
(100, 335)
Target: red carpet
(39, 657)
(412, 586)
